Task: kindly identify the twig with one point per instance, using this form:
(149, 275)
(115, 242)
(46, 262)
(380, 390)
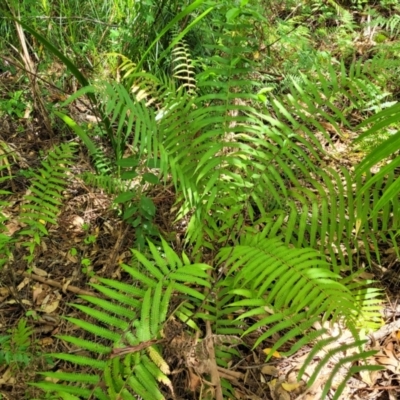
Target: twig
(385, 330)
(59, 285)
(215, 377)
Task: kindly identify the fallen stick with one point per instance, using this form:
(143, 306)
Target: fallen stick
(59, 285)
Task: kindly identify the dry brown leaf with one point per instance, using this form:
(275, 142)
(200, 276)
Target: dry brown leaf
(270, 370)
(50, 303)
(277, 392)
(39, 271)
(51, 307)
(369, 377)
(389, 359)
(71, 258)
(194, 381)
(37, 290)
(12, 227)
(7, 377)
(46, 341)
(24, 282)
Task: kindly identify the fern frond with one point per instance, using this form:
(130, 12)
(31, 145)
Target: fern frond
(80, 360)
(103, 317)
(72, 377)
(131, 290)
(67, 396)
(156, 358)
(94, 329)
(110, 184)
(146, 378)
(138, 388)
(44, 203)
(269, 274)
(121, 311)
(65, 389)
(86, 344)
(183, 69)
(119, 373)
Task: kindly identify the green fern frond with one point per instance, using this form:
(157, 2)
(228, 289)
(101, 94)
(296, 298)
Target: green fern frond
(67, 396)
(72, 377)
(103, 317)
(338, 355)
(65, 389)
(86, 344)
(80, 360)
(269, 274)
(94, 329)
(44, 202)
(146, 378)
(119, 373)
(109, 183)
(138, 388)
(391, 24)
(131, 290)
(183, 69)
(21, 334)
(117, 309)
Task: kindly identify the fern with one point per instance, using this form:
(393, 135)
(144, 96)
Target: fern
(15, 347)
(164, 272)
(183, 68)
(44, 200)
(282, 222)
(128, 369)
(5, 240)
(391, 24)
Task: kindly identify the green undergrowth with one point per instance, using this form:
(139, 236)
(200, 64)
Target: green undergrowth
(243, 115)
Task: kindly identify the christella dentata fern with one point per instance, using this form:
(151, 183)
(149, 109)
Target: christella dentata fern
(251, 175)
(43, 202)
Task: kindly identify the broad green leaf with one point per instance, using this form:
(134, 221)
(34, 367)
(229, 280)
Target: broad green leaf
(124, 197)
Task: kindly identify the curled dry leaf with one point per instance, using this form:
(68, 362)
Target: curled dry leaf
(270, 370)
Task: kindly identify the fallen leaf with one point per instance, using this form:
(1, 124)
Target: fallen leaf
(50, 303)
(39, 271)
(275, 354)
(7, 377)
(289, 387)
(389, 361)
(12, 227)
(24, 282)
(369, 377)
(270, 370)
(37, 290)
(47, 341)
(194, 381)
(71, 258)
(77, 221)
